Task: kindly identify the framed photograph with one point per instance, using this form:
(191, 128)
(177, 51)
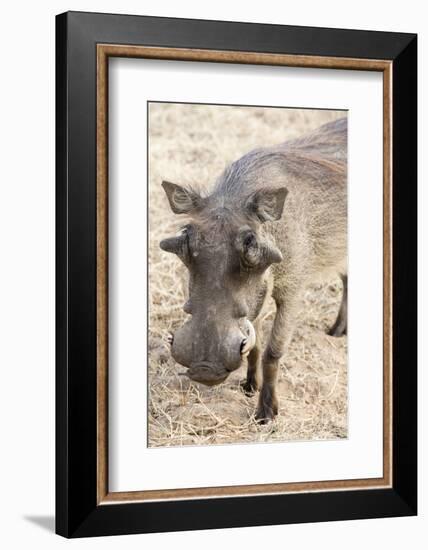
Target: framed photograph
(236, 274)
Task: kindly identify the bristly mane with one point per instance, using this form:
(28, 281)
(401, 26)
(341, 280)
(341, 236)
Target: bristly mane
(320, 156)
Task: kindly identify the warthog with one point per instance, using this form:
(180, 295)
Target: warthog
(242, 244)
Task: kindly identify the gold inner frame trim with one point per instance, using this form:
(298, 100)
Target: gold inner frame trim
(104, 51)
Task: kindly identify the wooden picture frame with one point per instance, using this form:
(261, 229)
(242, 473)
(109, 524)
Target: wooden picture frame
(84, 44)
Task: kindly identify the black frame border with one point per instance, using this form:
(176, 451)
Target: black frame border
(77, 512)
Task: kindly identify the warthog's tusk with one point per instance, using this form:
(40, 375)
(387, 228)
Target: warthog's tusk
(250, 341)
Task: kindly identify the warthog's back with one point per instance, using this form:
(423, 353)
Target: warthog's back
(329, 141)
(319, 157)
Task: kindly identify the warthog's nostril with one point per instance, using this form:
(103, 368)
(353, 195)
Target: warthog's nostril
(170, 339)
(243, 345)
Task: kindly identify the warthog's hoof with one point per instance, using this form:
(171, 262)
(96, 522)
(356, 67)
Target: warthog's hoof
(266, 414)
(249, 387)
(267, 408)
(337, 330)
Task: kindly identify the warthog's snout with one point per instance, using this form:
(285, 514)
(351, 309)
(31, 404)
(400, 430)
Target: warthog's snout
(207, 373)
(209, 354)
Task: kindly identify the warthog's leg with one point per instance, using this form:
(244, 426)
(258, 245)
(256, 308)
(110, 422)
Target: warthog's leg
(340, 326)
(252, 382)
(282, 332)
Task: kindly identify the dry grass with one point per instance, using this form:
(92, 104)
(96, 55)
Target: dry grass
(191, 144)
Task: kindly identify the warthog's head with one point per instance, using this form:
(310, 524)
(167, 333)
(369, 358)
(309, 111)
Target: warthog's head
(224, 247)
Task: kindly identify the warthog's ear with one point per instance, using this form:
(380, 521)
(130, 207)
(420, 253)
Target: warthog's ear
(267, 204)
(181, 200)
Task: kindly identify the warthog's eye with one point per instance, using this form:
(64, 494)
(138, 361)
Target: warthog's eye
(255, 254)
(250, 254)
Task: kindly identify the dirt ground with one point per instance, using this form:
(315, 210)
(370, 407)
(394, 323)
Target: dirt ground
(191, 144)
